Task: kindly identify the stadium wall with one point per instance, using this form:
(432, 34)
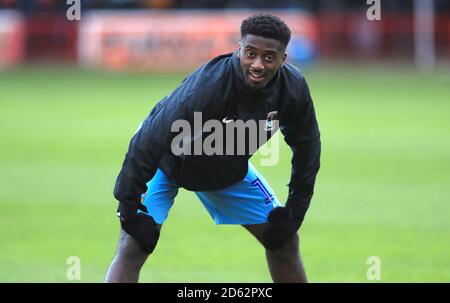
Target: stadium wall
(175, 40)
(171, 40)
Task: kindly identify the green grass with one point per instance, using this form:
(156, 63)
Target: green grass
(383, 189)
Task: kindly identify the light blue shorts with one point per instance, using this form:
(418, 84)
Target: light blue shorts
(247, 202)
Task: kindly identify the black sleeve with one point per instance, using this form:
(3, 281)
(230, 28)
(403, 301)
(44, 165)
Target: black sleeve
(152, 140)
(301, 133)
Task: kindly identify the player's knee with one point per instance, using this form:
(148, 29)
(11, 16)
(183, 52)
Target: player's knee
(288, 252)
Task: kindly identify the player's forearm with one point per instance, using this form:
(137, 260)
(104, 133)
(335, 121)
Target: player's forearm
(305, 166)
(140, 165)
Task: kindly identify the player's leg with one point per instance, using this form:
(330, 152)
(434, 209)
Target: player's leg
(128, 261)
(249, 203)
(130, 257)
(285, 264)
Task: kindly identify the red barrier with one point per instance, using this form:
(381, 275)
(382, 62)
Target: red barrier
(174, 40)
(50, 36)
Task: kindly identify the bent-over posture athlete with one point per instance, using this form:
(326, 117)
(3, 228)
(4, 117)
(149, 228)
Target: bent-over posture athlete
(252, 83)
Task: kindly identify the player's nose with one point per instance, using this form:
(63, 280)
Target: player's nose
(257, 64)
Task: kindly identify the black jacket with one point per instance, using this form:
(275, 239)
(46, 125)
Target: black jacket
(217, 90)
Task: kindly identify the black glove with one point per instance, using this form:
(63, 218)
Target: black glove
(282, 226)
(138, 223)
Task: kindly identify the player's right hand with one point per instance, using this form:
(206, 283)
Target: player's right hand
(139, 224)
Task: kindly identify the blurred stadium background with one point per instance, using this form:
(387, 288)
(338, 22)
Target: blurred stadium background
(73, 92)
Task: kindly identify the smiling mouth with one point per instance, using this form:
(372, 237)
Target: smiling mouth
(256, 77)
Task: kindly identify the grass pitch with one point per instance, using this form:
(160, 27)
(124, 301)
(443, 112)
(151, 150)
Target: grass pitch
(383, 189)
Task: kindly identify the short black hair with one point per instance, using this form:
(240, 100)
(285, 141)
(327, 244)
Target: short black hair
(267, 26)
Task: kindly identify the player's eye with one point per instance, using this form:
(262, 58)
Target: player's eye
(250, 54)
(269, 58)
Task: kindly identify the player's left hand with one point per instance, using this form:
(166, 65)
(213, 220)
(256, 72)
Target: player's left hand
(282, 227)
(139, 224)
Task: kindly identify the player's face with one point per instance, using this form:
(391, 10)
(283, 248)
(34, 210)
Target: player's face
(260, 59)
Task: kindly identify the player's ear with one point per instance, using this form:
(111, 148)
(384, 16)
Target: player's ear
(283, 60)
